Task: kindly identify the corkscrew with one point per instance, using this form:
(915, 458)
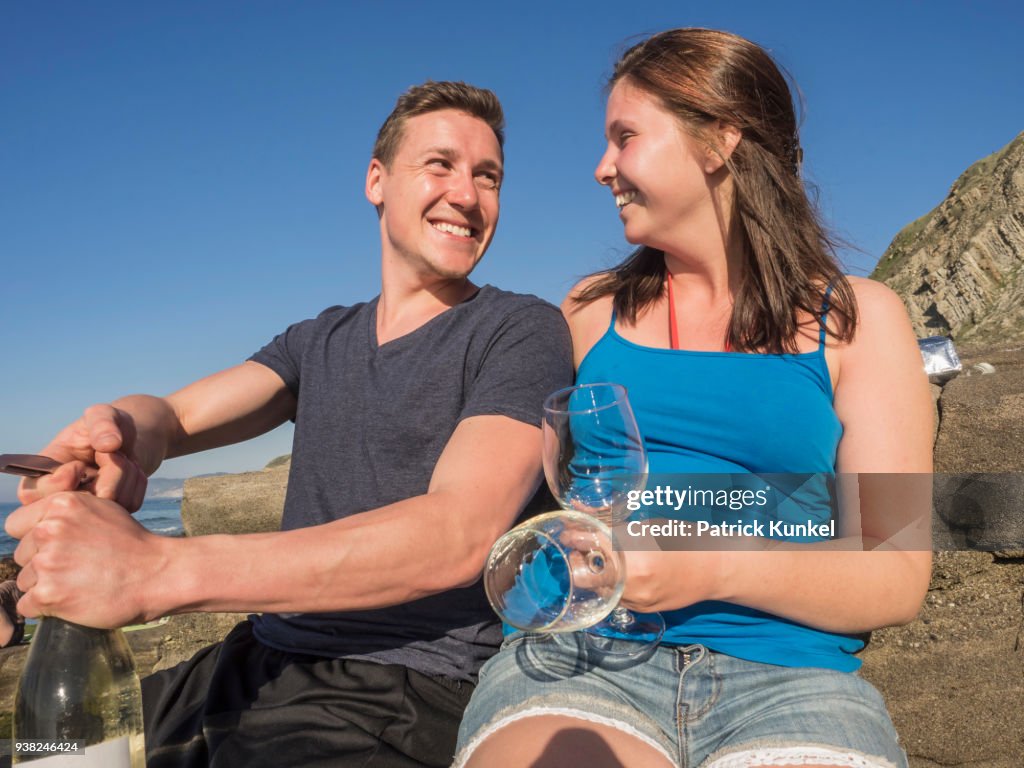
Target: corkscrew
(33, 465)
(27, 464)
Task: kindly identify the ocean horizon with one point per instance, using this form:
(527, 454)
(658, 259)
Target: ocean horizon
(162, 516)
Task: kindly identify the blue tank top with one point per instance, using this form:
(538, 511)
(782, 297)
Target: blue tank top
(732, 412)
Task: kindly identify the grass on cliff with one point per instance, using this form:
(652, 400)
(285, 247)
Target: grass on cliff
(984, 167)
(899, 248)
(895, 255)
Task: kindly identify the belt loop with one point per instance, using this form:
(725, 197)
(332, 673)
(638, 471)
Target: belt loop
(690, 655)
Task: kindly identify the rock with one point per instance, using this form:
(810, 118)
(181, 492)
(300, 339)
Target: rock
(954, 678)
(958, 268)
(983, 419)
(184, 635)
(250, 502)
(980, 511)
(1008, 555)
(936, 413)
(979, 457)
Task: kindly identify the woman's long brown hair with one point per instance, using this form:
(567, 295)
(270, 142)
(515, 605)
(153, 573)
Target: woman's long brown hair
(703, 76)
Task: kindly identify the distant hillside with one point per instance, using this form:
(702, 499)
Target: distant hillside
(960, 268)
(165, 488)
(170, 487)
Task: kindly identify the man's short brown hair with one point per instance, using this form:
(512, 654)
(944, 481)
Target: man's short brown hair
(431, 97)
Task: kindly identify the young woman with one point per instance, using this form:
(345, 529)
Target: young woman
(743, 349)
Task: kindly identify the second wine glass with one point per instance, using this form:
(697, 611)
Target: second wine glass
(594, 457)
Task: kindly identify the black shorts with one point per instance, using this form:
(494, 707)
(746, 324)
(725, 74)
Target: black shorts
(241, 704)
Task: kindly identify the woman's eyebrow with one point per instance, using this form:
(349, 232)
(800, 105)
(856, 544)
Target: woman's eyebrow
(614, 127)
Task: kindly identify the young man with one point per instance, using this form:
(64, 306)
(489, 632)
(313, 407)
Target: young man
(417, 444)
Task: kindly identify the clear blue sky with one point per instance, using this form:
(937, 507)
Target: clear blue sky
(179, 181)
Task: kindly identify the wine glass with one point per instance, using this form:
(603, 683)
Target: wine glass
(554, 573)
(559, 572)
(593, 457)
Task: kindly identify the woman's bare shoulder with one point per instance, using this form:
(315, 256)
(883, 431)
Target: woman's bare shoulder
(884, 341)
(876, 301)
(587, 320)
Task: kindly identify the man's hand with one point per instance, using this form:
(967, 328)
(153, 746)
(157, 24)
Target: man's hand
(98, 454)
(116, 447)
(86, 560)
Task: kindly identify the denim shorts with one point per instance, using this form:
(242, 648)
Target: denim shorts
(699, 708)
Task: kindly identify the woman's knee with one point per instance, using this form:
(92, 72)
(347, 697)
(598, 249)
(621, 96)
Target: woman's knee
(552, 741)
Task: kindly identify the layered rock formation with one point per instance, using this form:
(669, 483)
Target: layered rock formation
(960, 268)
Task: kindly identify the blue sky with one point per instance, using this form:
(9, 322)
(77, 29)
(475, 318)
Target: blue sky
(180, 181)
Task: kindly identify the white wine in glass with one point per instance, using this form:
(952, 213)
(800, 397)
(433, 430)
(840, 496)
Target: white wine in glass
(554, 573)
(594, 457)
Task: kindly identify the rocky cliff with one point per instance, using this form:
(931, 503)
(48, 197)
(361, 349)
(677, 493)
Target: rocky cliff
(960, 268)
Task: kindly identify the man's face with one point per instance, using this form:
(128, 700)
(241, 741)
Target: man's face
(439, 198)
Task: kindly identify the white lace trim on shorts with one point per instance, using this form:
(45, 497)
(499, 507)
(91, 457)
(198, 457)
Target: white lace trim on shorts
(775, 756)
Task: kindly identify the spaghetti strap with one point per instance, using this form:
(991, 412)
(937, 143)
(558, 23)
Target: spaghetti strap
(611, 325)
(824, 317)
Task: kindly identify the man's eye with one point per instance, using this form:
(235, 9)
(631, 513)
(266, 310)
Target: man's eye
(490, 180)
(624, 137)
(438, 162)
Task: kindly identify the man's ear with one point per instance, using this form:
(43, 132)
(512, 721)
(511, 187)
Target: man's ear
(374, 174)
(725, 137)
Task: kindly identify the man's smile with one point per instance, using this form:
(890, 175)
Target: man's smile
(453, 229)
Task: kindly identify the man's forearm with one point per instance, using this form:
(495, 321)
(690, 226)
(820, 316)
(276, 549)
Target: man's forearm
(226, 408)
(392, 555)
(95, 565)
(157, 430)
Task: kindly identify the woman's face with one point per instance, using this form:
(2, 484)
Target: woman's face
(657, 172)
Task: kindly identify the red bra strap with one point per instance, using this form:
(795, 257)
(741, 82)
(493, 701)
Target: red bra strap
(673, 326)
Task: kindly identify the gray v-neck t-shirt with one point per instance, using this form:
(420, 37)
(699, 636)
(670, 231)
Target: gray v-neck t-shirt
(370, 424)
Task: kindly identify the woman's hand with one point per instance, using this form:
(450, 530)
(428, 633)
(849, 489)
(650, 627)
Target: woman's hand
(659, 580)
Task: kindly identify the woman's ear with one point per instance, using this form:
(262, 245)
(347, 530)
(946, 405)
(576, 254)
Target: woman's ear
(725, 137)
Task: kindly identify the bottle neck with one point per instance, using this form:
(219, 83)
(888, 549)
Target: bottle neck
(60, 637)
